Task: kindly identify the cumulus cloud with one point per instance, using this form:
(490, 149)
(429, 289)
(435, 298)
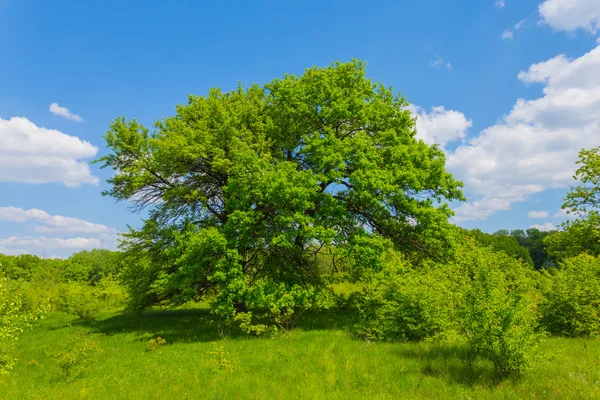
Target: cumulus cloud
(440, 125)
(47, 223)
(570, 15)
(499, 3)
(538, 214)
(64, 112)
(548, 226)
(32, 154)
(535, 146)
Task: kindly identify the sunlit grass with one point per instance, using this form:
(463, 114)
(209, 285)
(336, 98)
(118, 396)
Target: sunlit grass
(319, 359)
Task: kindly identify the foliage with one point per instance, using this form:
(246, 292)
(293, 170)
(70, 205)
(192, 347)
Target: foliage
(20, 267)
(577, 236)
(80, 299)
(502, 241)
(572, 301)
(582, 201)
(401, 303)
(110, 293)
(585, 196)
(533, 240)
(495, 304)
(219, 359)
(14, 317)
(154, 344)
(78, 353)
(245, 189)
(91, 266)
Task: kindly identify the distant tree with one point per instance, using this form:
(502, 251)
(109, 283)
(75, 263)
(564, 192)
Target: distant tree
(502, 243)
(246, 188)
(533, 240)
(20, 267)
(91, 266)
(501, 232)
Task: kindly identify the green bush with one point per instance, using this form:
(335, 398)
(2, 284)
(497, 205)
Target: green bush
(572, 300)
(495, 303)
(80, 299)
(403, 304)
(110, 293)
(14, 317)
(77, 354)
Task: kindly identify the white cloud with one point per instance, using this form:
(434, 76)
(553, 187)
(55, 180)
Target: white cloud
(439, 62)
(32, 154)
(440, 125)
(548, 226)
(30, 244)
(499, 3)
(538, 214)
(509, 32)
(50, 223)
(570, 15)
(64, 112)
(534, 147)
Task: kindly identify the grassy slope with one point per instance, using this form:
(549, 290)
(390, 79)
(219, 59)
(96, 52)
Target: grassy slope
(318, 360)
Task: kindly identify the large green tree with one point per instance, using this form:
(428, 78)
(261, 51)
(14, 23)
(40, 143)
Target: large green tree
(246, 189)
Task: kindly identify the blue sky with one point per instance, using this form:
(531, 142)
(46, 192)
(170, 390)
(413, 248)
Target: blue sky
(463, 64)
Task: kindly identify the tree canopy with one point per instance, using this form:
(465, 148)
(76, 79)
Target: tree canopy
(581, 234)
(246, 188)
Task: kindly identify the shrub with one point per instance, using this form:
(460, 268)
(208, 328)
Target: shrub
(154, 344)
(14, 317)
(80, 299)
(110, 293)
(78, 353)
(401, 304)
(572, 299)
(495, 304)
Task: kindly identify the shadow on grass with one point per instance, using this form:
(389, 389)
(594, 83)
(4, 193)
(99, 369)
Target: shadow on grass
(453, 362)
(199, 325)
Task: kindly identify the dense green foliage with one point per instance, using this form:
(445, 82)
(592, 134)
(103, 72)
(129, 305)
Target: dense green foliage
(483, 297)
(14, 317)
(583, 202)
(504, 242)
(496, 304)
(245, 189)
(572, 300)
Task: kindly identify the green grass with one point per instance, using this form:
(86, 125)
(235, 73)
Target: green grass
(318, 360)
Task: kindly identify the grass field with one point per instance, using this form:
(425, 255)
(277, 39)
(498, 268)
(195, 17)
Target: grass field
(318, 360)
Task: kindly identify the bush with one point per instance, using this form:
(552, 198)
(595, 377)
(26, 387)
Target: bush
(572, 300)
(80, 299)
(77, 355)
(14, 317)
(495, 304)
(401, 304)
(110, 293)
